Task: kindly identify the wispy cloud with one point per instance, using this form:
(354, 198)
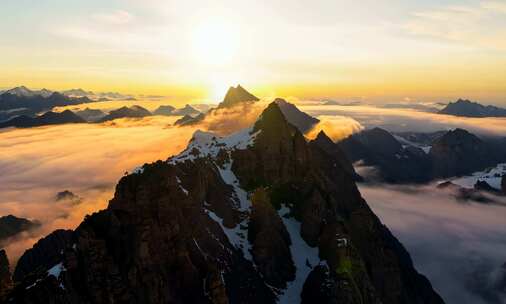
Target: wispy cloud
(410, 120)
(480, 25)
(118, 17)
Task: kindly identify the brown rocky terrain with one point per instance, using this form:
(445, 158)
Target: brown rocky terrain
(261, 216)
(5, 275)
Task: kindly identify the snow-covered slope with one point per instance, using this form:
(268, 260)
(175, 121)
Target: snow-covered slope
(492, 176)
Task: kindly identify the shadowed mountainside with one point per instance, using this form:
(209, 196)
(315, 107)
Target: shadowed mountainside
(256, 217)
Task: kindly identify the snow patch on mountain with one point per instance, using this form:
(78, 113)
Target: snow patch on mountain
(304, 258)
(207, 144)
(237, 236)
(406, 143)
(491, 176)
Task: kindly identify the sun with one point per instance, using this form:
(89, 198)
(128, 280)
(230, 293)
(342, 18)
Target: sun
(215, 43)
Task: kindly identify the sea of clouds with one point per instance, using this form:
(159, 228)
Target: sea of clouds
(460, 247)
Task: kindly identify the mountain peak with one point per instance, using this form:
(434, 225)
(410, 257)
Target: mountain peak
(323, 137)
(271, 117)
(237, 95)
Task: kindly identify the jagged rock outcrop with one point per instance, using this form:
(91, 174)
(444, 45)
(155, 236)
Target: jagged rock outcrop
(468, 108)
(236, 96)
(126, 112)
(11, 225)
(485, 187)
(44, 254)
(380, 149)
(184, 120)
(459, 152)
(325, 143)
(5, 275)
(257, 217)
(91, 115)
(186, 110)
(165, 110)
(463, 194)
(304, 122)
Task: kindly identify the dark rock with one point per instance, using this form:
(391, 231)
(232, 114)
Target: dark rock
(48, 118)
(11, 226)
(91, 115)
(485, 187)
(186, 110)
(459, 152)
(126, 112)
(187, 119)
(331, 148)
(5, 275)
(378, 148)
(43, 255)
(236, 96)
(168, 234)
(271, 242)
(468, 108)
(304, 122)
(37, 103)
(466, 194)
(164, 110)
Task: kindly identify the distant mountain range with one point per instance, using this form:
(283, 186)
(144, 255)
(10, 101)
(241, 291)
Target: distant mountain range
(48, 118)
(92, 115)
(23, 91)
(126, 112)
(468, 108)
(12, 105)
(419, 157)
(164, 110)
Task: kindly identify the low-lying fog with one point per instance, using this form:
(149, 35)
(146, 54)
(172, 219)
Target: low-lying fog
(459, 246)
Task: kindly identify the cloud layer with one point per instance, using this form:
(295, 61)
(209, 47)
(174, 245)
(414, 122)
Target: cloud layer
(460, 247)
(87, 159)
(398, 120)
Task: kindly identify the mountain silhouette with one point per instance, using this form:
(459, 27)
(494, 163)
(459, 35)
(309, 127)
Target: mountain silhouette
(260, 216)
(472, 109)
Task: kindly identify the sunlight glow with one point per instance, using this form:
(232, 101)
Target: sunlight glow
(215, 43)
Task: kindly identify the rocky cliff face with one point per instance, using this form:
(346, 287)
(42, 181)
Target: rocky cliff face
(261, 216)
(459, 152)
(395, 163)
(11, 226)
(303, 121)
(237, 95)
(5, 275)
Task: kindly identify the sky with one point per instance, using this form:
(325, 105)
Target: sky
(381, 50)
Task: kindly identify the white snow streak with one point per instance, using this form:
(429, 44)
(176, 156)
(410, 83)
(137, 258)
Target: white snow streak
(302, 255)
(492, 177)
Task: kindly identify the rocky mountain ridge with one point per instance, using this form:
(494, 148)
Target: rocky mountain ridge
(417, 157)
(468, 108)
(261, 216)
